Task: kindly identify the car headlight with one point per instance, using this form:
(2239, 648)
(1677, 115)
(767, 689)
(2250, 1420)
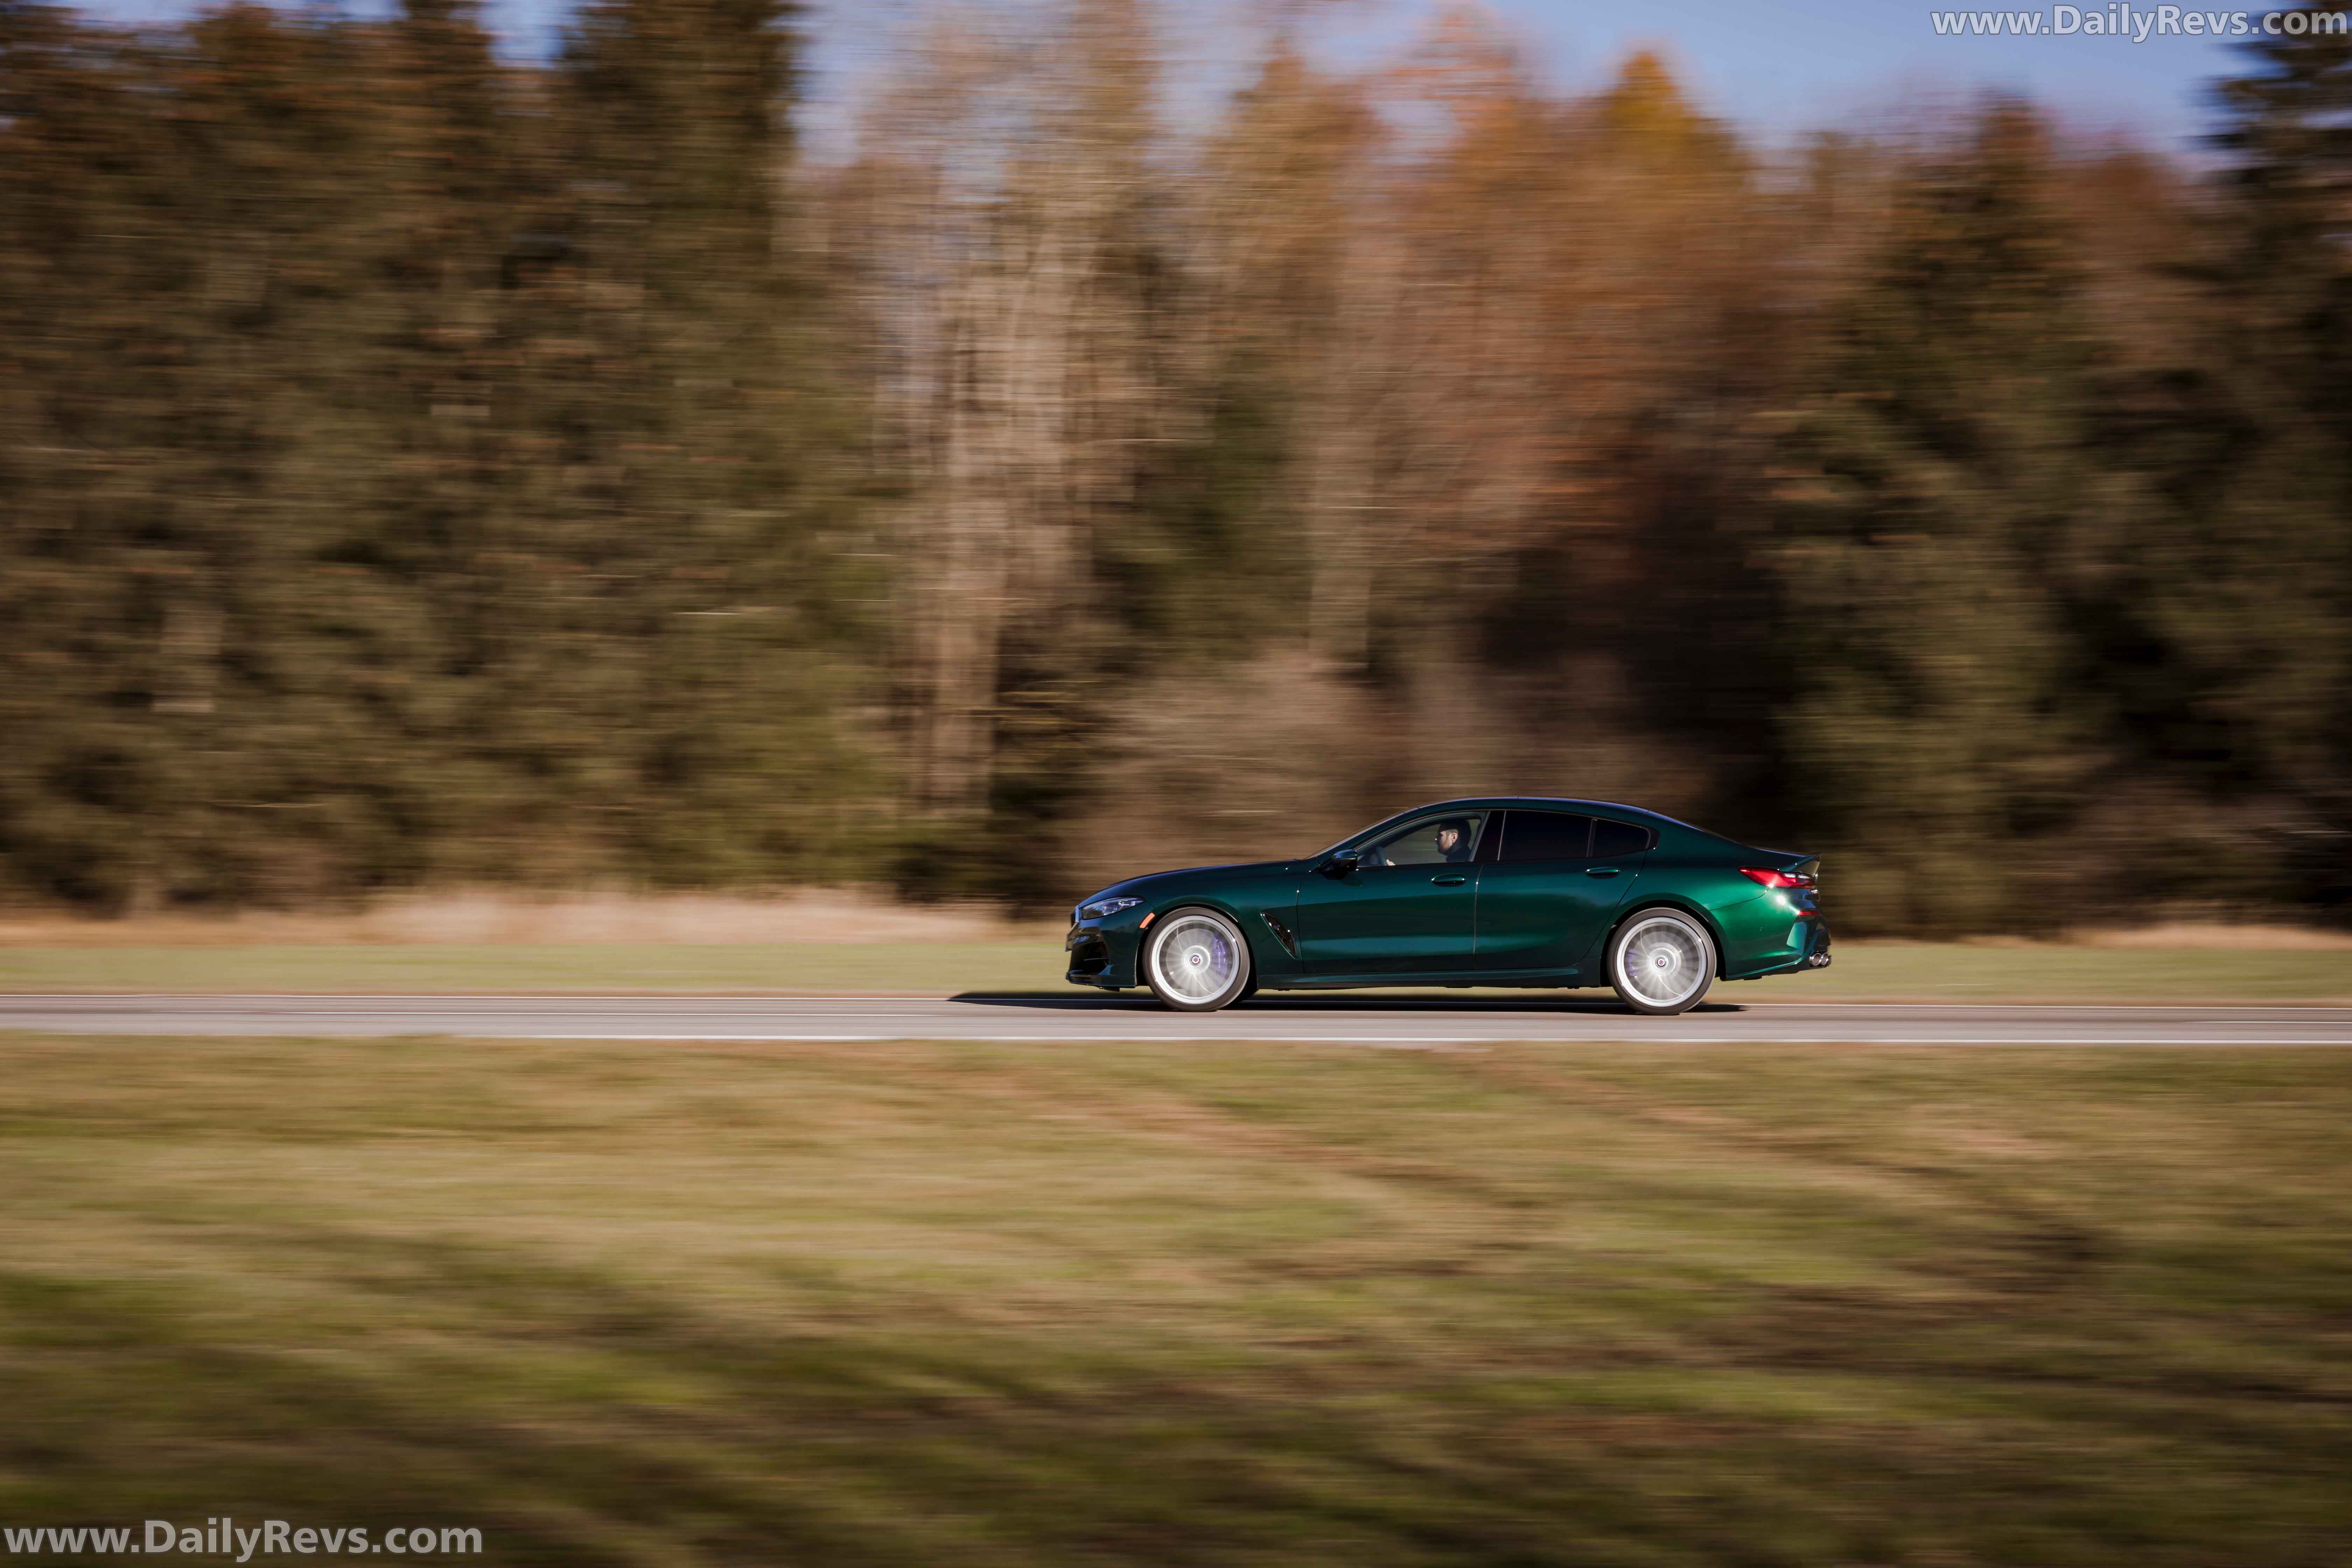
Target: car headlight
(1102, 909)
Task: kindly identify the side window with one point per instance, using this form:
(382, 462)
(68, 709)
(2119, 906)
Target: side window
(1544, 836)
(1433, 841)
(1611, 839)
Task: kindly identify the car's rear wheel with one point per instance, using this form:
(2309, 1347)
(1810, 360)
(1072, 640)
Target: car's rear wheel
(1661, 961)
(1195, 961)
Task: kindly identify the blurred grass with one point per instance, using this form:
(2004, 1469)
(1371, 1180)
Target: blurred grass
(1900, 971)
(1983, 972)
(1029, 1304)
(930, 968)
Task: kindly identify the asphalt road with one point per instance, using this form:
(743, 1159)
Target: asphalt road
(1428, 1023)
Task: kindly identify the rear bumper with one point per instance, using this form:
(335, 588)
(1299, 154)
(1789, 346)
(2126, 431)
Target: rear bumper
(1816, 955)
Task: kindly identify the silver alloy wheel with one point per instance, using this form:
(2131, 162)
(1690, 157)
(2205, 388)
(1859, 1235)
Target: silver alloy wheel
(1196, 961)
(1663, 962)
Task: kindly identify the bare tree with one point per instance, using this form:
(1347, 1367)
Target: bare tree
(1004, 201)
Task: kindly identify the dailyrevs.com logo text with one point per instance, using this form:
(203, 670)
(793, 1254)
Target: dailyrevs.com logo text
(225, 1538)
(2136, 24)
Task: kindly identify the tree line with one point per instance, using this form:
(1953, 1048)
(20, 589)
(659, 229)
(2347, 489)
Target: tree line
(420, 468)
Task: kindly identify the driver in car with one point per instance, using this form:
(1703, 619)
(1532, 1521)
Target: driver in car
(1451, 839)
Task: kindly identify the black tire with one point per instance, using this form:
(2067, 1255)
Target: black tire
(1195, 961)
(1652, 956)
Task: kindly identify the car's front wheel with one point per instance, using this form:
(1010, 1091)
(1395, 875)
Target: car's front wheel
(1195, 961)
(1661, 961)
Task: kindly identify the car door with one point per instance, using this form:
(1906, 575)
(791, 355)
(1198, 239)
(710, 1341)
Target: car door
(1545, 896)
(1408, 907)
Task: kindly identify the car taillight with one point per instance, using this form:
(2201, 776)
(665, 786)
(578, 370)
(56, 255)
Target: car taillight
(1772, 879)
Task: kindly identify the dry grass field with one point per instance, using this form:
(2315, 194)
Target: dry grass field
(1028, 961)
(843, 940)
(848, 941)
(1208, 1303)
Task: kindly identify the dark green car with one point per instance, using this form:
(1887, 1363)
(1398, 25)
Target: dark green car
(1492, 891)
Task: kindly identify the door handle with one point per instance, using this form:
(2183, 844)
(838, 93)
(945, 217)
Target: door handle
(1601, 871)
(1449, 881)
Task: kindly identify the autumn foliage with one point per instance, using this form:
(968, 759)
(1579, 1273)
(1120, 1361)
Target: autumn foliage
(416, 467)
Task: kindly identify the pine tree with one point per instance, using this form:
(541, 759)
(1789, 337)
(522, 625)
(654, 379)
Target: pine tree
(2281, 650)
(1946, 481)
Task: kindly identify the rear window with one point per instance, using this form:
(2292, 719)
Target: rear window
(1544, 835)
(1611, 839)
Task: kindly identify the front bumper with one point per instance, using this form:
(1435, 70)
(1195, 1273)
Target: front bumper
(1101, 955)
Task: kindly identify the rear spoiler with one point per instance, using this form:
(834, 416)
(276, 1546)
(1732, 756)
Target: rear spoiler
(1794, 861)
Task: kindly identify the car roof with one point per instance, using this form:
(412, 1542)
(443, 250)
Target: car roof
(1545, 802)
(1529, 802)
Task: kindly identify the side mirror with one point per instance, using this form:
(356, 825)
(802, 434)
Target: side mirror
(1341, 865)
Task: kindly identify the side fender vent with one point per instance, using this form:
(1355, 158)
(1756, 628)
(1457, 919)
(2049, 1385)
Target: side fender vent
(1281, 933)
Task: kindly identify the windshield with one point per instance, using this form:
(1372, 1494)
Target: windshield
(1326, 854)
(1363, 833)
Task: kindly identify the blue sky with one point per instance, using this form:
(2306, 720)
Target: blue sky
(1774, 66)
(1781, 65)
